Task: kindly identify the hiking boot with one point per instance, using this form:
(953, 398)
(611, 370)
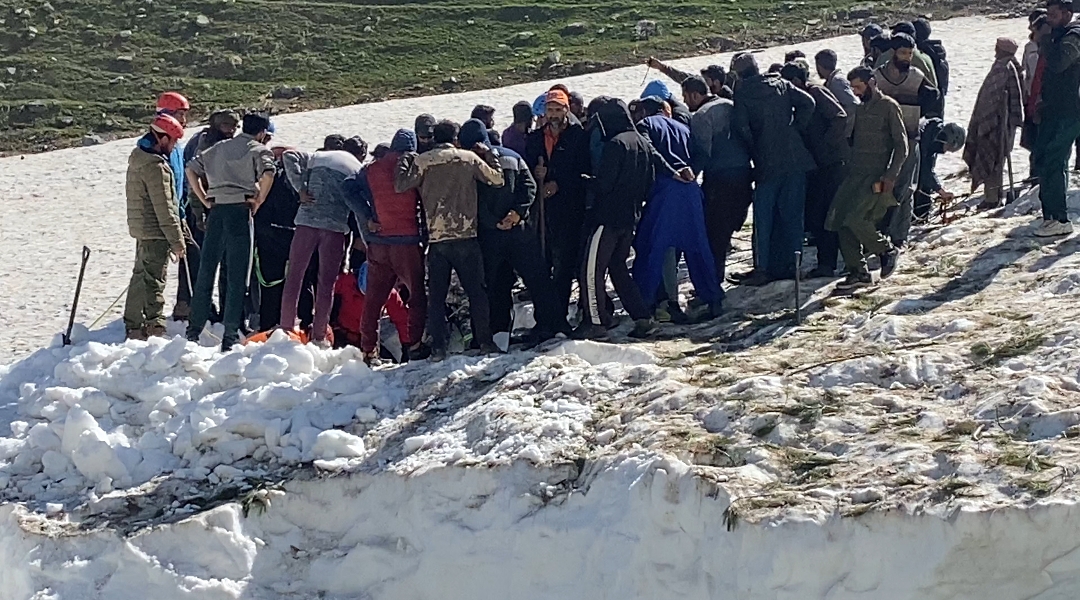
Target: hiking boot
(855, 281)
(644, 328)
(156, 330)
(740, 277)
(1054, 229)
(372, 359)
(539, 336)
(588, 331)
(716, 310)
(661, 313)
(758, 279)
(490, 348)
(136, 334)
(437, 355)
(678, 316)
(417, 351)
(888, 262)
(181, 312)
(821, 272)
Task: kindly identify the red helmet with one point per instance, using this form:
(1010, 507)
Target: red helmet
(172, 101)
(167, 126)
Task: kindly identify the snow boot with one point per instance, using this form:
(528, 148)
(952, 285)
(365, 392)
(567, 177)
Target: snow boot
(489, 348)
(437, 355)
(156, 330)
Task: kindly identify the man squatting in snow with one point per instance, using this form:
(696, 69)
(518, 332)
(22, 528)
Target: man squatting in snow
(571, 188)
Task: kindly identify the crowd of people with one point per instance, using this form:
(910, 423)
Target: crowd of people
(334, 237)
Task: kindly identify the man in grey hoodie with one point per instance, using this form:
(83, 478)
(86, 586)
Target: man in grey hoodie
(322, 223)
(724, 160)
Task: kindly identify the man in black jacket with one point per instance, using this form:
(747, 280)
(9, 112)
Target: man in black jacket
(770, 115)
(623, 180)
(826, 138)
(274, 230)
(935, 50)
(506, 243)
(558, 154)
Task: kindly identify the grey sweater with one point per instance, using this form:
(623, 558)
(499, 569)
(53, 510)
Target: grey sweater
(713, 145)
(323, 179)
(232, 168)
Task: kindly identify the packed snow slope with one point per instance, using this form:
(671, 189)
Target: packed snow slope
(918, 441)
(55, 203)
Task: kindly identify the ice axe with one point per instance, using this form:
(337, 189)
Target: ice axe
(78, 290)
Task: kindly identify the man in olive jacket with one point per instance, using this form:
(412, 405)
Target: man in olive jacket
(154, 221)
(878, 151)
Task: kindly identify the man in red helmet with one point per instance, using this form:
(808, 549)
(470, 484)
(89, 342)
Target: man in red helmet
(154, 221)
(175, 105)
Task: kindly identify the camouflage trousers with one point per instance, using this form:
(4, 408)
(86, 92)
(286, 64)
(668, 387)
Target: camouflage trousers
(145, 306)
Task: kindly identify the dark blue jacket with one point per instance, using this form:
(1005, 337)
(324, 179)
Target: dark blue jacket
(670, 138)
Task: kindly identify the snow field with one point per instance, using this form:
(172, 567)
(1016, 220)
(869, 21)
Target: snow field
(917, 442)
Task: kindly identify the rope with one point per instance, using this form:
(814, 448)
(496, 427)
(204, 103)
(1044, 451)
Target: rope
(98, 320)
(259, 275)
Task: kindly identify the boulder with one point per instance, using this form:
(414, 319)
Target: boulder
(721, 43)
(576, 28)
(92, 140)
(523, 38)
(287, 93)
(123, 62)
(861, 11)
(451, 84)
(645, 29)
(552, 59)
(202, 20)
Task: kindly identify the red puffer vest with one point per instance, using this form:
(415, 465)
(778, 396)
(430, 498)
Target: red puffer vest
(396, 213)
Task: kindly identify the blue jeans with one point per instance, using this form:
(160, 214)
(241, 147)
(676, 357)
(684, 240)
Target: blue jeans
(779, 202)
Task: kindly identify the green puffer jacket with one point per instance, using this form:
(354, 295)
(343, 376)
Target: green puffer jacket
(151, 206)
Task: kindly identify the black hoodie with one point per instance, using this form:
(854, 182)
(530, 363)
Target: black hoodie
(1062, 76)
(625, 174)
(518, 190)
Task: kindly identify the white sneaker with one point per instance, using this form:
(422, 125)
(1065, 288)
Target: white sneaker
(1054, 229)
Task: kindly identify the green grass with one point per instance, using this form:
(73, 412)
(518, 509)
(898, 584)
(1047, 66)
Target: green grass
(69, 78)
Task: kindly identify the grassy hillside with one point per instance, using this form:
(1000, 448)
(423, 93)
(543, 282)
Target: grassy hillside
(73, 67)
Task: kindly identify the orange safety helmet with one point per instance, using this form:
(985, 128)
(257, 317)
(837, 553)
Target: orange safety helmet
(172, 101)
(167, 126)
